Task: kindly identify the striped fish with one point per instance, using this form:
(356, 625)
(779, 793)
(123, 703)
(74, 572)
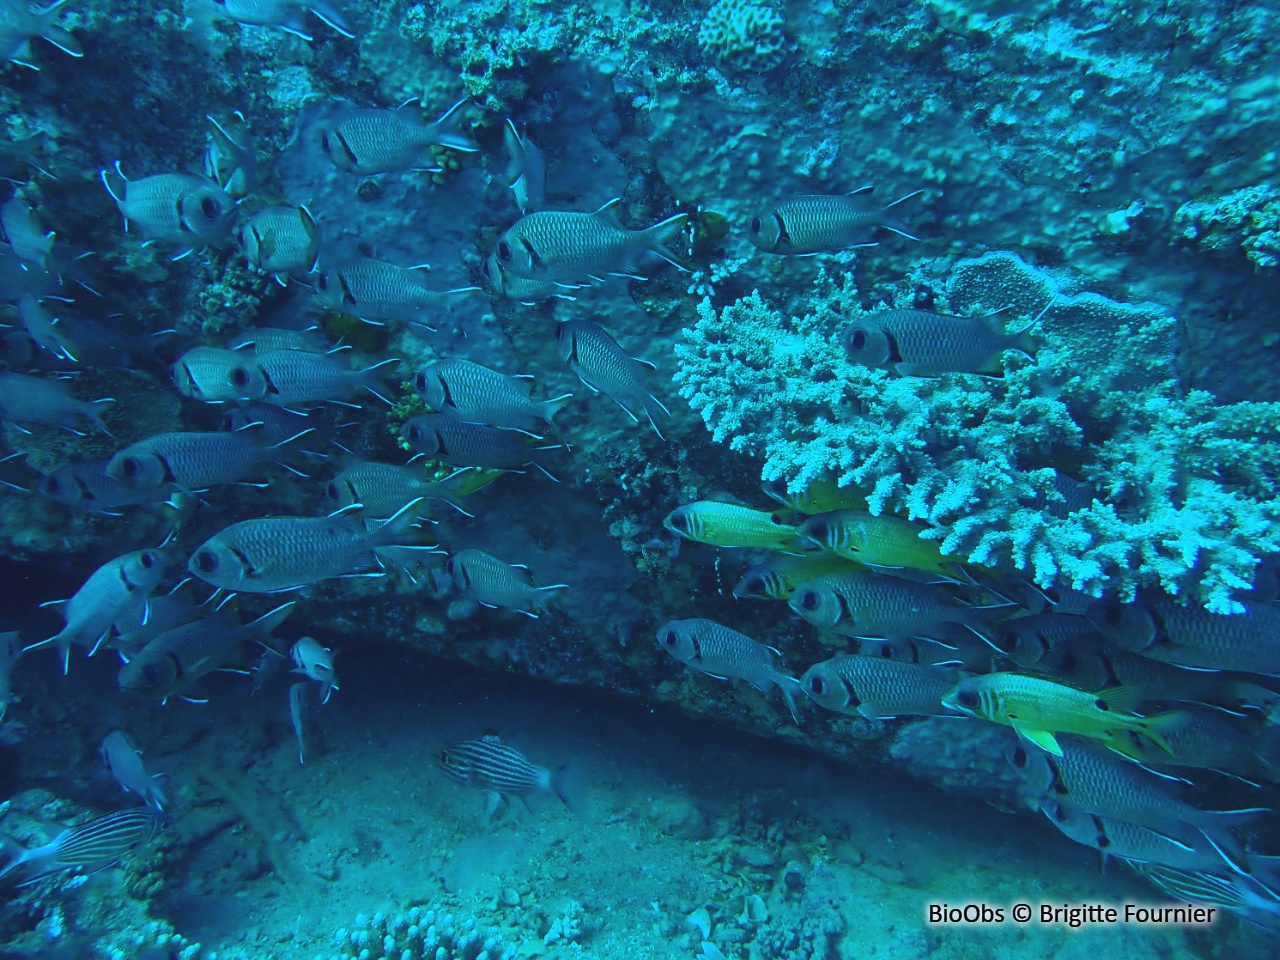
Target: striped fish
(491, 765)
(91, 846)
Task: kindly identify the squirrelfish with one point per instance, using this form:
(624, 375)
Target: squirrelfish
(84, 485)
(263, 339)
(604, 366)
(526, 171)
(462, 444)
(215, 375)
(26, 399)
(230, 159)
(47, 331)
(878, 688)
(1037, 708)
(288, 15)
(489, 764)
(778, 577)
(882, 541)
(383, 488)
(376, 291)
(91, 846)
(112, 590)
(568, 247)
(189, 460)
(493, 583)
(179, 208)
(24, 233)
(723, 653)
(821, 495)
(917, 343)
(124, 760)
(730, 525)
(283, 553)
(480, 394)
(816, 223)
(282, 241)
(296, 376)
(863, 603)
(21, 22)
(367, 140)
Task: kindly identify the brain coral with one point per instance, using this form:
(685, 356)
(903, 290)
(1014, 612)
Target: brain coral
(744, 34)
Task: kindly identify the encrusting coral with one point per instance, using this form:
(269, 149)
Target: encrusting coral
(1091, 467)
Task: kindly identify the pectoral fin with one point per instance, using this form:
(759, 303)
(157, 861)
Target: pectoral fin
(1041, 738)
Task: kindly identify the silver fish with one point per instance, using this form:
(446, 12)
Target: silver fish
(368, 141)
(723, 653)
(917, 343)
(262, 339)
(268, 424)
(138, 627)
(1182, 847)
(605, 367)
(17, 155)
(179, 208)
(26, 399)
(84, 485)
(297, 377)
(46, 331)
(10, 651)
(818, 223)
(861, 603)
(1163, 629)
(288, 15)
(501, 282)
(526, 172)
(215, 375)
(112, 590)
(315, 662)
(171, 663)
(489, 764)
(283, 553)
(91, 846)
(462, 444)
(493, 583)
(124, 760)
(875, 687)
(282, 241)
(569, 247)
(21, 22)
(1026, 640)
(188, 460)
(383, 488)
(20, 228)
(377, 292)
(230, 160)
(480, 394)
(1208, 739)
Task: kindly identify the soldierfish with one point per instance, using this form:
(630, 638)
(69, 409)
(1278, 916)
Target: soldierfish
(282, 241)
(124, 760)
(21, 22)
(479, 394)
(376, 292)
(604, 366)
(369, 141)
(26, 399)
(493, 583)
(805, 225)
(878, 687)
(179, 208)
(917, 343)
(288, 15)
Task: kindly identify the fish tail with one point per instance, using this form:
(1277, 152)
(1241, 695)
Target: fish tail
(262, 628)
(331, 15)
(449, 298)
(553, 406)
(96, 409)
(14, 852)
(372, 381)
(58, 36)
(1155, 728)
(657, 237)
(793, 693)
(115, 182)
(448, 131)
(566, 784)
(546, 594)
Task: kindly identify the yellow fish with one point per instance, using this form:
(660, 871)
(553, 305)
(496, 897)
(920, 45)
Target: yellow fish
(877, 541)
(730, 525)
(822, 495)
(1037, 709)
(782, 574)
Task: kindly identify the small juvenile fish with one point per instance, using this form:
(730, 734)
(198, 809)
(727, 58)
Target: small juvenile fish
(20, 228)
(368, 141)
(605, 367)
(295, 376)
(215, 375)
(480, 394)
(862, 603)
(730, 525)
(171, 663)
(26, 399)
(376, 292)
(10, 651)
(110, 592)
(288, 15)
(262, 339)
(1037, 709)
(188, 460)
(917, 343)
(778, 577)
(879, 687)
(568, 247)
(526, 172)
(882, 541)
(493, 583)
(491, 765)
(462, 444)
(21, 22)
(501, 282)
(179, 208)
(315, 663)
(91, 846)
(84, 485)
(282, 241)
(723, 653)
(124, 760)
(805, 225)
(272, 554)
(230, 160)
(383, 488)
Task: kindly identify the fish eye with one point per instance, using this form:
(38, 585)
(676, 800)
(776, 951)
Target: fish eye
(239, 377)
(148, 560)
(331, 490)
(504, 251)
(150, 674)
(324, 142)
(53, 485)
(322, 281)
(809, 600)
(967, 699)
(669, 639)
(1113, 614)
(680, 521)
(209, 207)
(753, 584)
(857, 340)
(756, 225)
(420, 381)
(130, 467)
(817, 529)
(1019, 758)
(1006, 640)
(817, 686)
(412, 434)
(1069, 663)
(206, 561)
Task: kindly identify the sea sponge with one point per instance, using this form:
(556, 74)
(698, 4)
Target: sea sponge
(744, 34)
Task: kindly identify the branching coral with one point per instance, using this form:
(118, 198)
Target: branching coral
(1178, 491)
